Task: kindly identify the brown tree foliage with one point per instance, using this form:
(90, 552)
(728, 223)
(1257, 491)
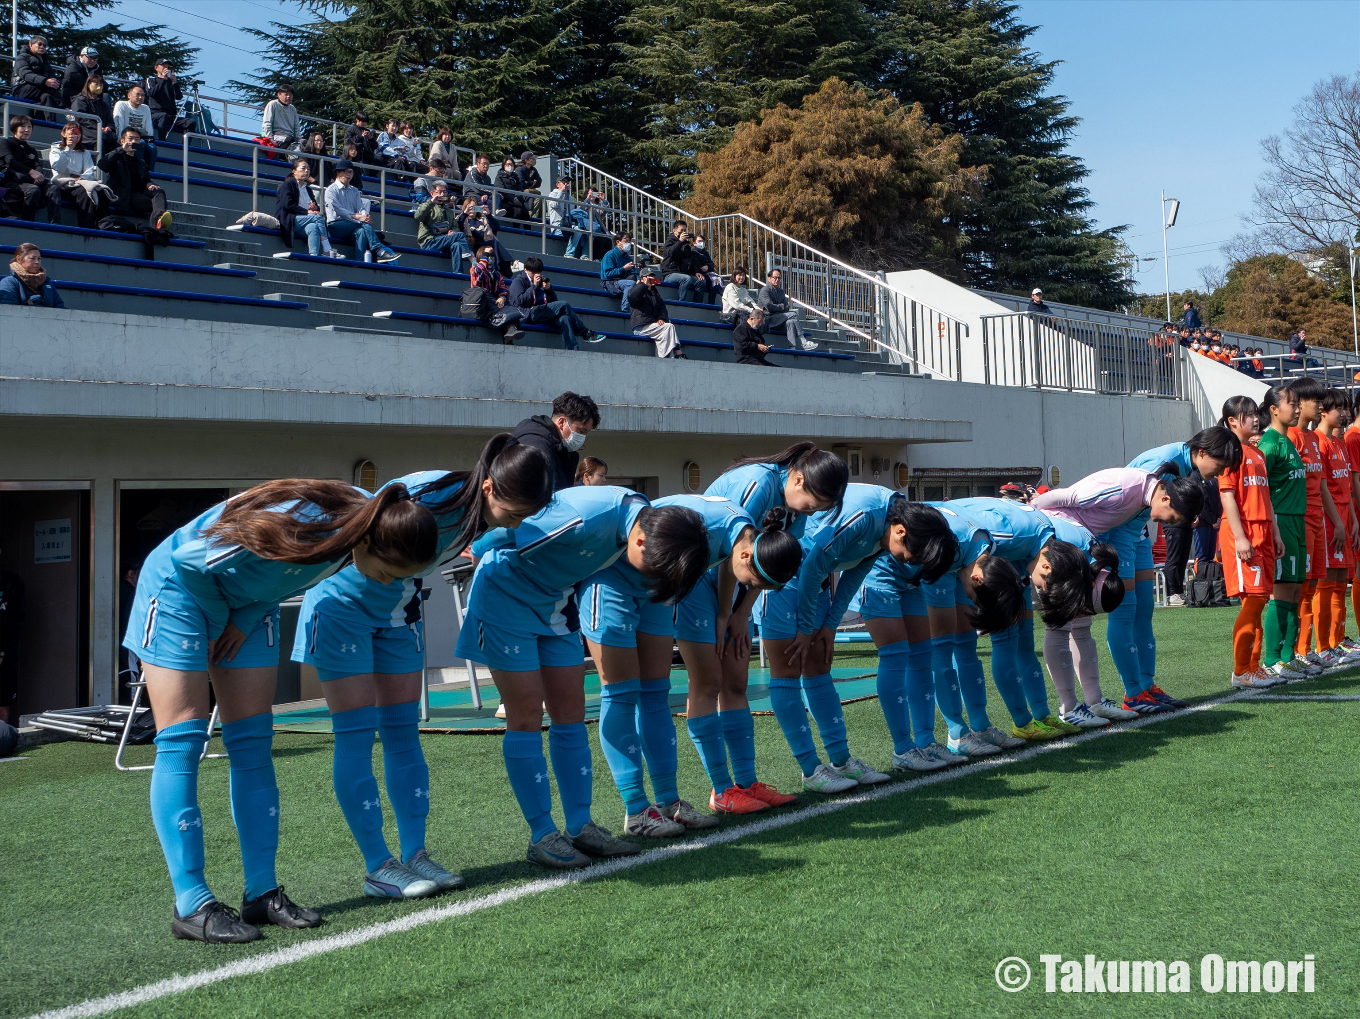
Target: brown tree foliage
(1275, 295)
(852, 172)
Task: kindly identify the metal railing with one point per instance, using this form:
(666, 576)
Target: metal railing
(1057, 352)
(13, 103)
(1283, 367)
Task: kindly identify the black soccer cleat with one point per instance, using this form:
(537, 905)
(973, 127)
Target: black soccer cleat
(214, 923)
(277, 908)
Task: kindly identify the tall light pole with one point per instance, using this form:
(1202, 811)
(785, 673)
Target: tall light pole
(1168, 220)
(1355, 326)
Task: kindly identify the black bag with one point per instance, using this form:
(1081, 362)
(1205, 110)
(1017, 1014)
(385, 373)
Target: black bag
(120, 224)
(1208, 589)
(477, 304)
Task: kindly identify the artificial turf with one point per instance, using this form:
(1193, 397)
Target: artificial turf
(1224, 831)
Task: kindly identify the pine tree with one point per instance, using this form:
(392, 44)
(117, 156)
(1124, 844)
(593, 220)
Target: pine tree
(123, 52)
(967, 63)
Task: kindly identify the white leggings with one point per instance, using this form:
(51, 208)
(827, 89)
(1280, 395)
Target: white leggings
(1069, 653)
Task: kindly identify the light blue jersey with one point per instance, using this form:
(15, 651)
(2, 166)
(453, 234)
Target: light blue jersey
(848, 541)
(887, 575)
(1072, 533)
(1177, 453)
(759, 488)
(1016, 531)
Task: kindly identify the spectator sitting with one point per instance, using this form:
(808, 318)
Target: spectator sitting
(127, 176)
(512, 205)
(437, 227)
(592, 471)
(27, 282)
(1194, 346)
(1298, 344)
(352, 152)
(650, 318)
(737, 301)
(577, 225)
(444, 149)
(479, 227)
(296, 210)
(411, 145)
(313, 148)
(746, 340)
(439, 172)
(779, 311)
(75, 175)
(34, 78)
(1036, 304)
(1257, 364)
(20, 172)
(363, 139)
(477, 181)
(704, 263)
(533, 292)
(162, 96)
(133, 112)
(487, 293)
(618, 270)
(529, 180)
(1190, 316)
(92, 100)
(78, 70)
(680, 267)
(280, 121)
(559, 435)
(347, 216)
(391, 146)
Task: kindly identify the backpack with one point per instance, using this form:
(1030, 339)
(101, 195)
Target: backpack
(1208, 590)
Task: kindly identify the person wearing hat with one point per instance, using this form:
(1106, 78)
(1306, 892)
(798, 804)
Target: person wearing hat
(78, 69)
(650, 318)
(529, 181)
(34, 78)
(1036, 303)
(347, 217)
(163, 94)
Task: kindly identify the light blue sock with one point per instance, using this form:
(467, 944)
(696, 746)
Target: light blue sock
(621, 742)
(1143, 635)
(825, 704)
(739, 733)
(657, 729)
(707, 733)
(786, 698)
(892, 692)
(1031, 672)
(1123, 646)
(407, 774)
(947, 684)
(971, 682)
(254, 799)
(570, 749)
(356, 790)
(174, 810)
(921, 693)
(528, 771)
(1006, 675)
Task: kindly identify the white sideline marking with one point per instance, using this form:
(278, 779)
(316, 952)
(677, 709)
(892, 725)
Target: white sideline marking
(266, 961)
(6, 760)
(1308, 697)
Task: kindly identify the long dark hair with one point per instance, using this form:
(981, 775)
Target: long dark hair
(1069, 590)
(775, 552)
(675, 555)
(519, 474)
(999, 598)
(825, 475)
(1239, 407)
(1276, 396)
(398, 529)
(1218, 443)
(1187, 497)
(930, 543)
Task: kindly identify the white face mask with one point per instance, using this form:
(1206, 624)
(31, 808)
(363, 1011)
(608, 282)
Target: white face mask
(628, 247)
(699, 245)
(574, 440)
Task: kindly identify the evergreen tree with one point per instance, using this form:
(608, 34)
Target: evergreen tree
(123, 52)
(967, 63)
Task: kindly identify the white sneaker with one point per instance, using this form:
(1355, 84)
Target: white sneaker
(861, 772)
(652, 823)
(1001, 740)
(1106, 708)
(1253, 681)
(971, 744)
(1300, 663)
(1175, 602)
(1084, 718)
(827, 779)
(940, 753)
(914, 760)
(1286, 672)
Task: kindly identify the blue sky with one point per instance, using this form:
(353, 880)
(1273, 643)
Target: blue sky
(1174, 95)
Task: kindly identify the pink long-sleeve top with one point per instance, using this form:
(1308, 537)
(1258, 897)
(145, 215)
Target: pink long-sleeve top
(1102, 501)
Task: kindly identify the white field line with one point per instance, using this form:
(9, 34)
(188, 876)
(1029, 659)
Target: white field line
(266, 961)
(6, 760)
(1307, 697)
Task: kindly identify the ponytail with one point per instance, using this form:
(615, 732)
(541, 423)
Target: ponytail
(1218, 443)
(519, 474)
(931, 544)
(1239, 407)
(1111, 592)
(1070, 591)
(775, 553)
(825, 475)
(998, 598)
(399, 531)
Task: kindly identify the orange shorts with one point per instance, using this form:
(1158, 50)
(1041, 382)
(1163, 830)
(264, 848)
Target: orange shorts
(1256, 576)
(1346, 560)
(1315, 529)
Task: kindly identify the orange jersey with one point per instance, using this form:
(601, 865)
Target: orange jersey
(1250, 485)
(1336, 470)
(1306, 442)
(1352, 439)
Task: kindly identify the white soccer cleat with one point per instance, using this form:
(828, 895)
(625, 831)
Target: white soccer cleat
(1319, 659)
(1084, 718)
(940, 753)
(1287, 672)
(1001, 740)
(861, 772)
(914, 760)
(970, 744)
(1253, 681)
(1301, 664)
(827, 779)
(1108, 709)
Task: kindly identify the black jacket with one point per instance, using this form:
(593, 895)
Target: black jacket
(529, 180)
(540, 432)
(647, 305)
(101, 108)
(744, 342)
(290, 203)
(31, 69)
(16, 159)
(74, 79)
(1038, 308)
(126, 176)
(163, 95)
(701, 260)
(676, 257)
(367, 144)
(523, 293)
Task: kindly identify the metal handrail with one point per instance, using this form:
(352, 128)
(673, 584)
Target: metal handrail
(1281, 369)
(70, 115)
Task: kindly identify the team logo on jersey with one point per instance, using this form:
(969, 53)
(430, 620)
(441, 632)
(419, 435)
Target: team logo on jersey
(349, 649)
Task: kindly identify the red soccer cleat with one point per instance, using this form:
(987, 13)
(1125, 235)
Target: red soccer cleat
(768, 794)
(735, 800)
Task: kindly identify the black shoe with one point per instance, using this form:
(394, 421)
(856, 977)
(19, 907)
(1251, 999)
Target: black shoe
(277, 908)
(214, 923)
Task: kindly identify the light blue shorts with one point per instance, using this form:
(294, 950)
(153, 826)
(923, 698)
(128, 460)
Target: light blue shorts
(340, 645)
(614, 616)
(946, 592)
(889, 602)
(1133, 542)
(696, 617)
(776, 613)
(499, 645)
(168, 628)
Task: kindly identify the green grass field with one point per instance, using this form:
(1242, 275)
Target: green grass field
(1227, 830)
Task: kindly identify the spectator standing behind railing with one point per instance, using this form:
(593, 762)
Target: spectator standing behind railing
(347, 217)
(779, 311)
(680, 268)
(128, 178)
(163, 94)
(737, 301)
(618, 269)
(363, 139)
(444, 149)
(533, 293)
(747, 341)
(91, 100)
(280, 123)
(437, 226)
(27, 282)
(1190, 316)
(20, 170)
(78, 70)
(75, 175)
(651, 319)
(559, 207)
(1298, 344)
(1036, 304)
(133, 112)
(296, 210)
(34, 78)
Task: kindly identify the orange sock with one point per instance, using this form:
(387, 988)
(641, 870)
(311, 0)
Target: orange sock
(1245, 629)
(1338, 612)
(1322, 614)
(1305, 642)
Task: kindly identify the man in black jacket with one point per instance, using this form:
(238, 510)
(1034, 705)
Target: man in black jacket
(533, 293)
(679, 266)
(126, 174)
(78, 70)
(746, 340)
(649, 317)
(561, 435)
(163, 95)
(360, 135)
(34, 78)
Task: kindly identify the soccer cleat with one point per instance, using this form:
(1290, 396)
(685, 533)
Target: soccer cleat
(914, 760)
(395, 880)
(826, 779)
(938, 752)
(1349, 655)
(1252, 681)
(277, 908)
(556, 852)
(970, 744)
(1083, 718)
(423, 866)
(768, 794)
(1318, 659)
(1035, 732)
(1172, 702)
(684, 813)
(215, 924)
(1001, 739)
(651, 823)
(596, 841)
(1106, 708)
(1056, 722)
(861, 772)
(1286, 672)
(1145, 704)
(1300, 663)
(735, 800)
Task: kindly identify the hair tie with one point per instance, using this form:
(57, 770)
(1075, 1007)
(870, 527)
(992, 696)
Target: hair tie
(755, 560)
(1096, 589)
